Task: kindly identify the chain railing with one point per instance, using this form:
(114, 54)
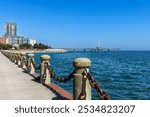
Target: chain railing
(86, 74)
(24, 62)
(34, 65)
(56, 77)
(83, 80)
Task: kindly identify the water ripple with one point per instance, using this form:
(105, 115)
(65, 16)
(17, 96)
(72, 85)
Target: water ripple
(124, 74)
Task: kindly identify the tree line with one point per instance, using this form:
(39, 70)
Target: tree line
(25, 46)
(5, 46)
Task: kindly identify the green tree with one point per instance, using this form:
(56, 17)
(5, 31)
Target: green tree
(36, 46)
(5, 46)
(25, 46)
(40, 46)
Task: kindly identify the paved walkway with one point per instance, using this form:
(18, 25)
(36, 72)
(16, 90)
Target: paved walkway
(17, 85)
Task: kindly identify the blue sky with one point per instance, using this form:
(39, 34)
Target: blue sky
(121, 24)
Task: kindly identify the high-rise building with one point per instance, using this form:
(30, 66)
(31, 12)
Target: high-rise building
(10, 29)
(10, 36)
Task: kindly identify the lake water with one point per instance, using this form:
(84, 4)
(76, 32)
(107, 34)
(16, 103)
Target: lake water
(122, 74)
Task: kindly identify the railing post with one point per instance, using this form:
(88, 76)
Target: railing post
(13, 57)
(23, 60)
(81, 86)
(45, 79)
(19, 59)
(31, 69)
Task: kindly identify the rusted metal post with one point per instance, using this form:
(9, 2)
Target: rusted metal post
(81, 86)
(45, 75)
(31, 68)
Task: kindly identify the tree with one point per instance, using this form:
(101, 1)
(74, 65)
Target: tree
(40, 46)
(25, 46)
(5, 46)
(36, 46)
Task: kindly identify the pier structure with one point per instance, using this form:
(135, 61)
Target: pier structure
(92, 49)
(20, 80)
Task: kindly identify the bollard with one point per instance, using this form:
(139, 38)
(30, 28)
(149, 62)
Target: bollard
(23, 60)
(31, 69)
(45, 79)
(81, 86)
(13, 57)
(19, 59)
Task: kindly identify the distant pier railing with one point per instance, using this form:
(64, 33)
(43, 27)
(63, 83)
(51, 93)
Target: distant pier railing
(81, 76)
(92, 49)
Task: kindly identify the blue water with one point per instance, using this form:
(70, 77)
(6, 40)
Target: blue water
(123, 74)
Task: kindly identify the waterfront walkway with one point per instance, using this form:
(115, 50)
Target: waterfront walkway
(17, 85)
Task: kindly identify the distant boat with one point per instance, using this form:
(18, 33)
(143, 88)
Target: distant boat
(98, 46)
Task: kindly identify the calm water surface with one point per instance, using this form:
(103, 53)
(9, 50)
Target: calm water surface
(123, 74)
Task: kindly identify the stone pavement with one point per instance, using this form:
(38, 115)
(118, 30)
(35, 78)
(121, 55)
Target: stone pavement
(17, 85)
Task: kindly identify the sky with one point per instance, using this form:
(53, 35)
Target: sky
(121, 24)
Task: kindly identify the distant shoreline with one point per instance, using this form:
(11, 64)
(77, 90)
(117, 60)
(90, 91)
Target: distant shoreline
(42, 51)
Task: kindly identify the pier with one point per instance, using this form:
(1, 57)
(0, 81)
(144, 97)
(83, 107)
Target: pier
(92, 49)
(19, 80)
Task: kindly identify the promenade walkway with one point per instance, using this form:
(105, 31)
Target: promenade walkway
(17, 85)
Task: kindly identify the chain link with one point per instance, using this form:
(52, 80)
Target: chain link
(35, 67)
(94, 84)
(24, 61)
(57, 78)
(19, 57)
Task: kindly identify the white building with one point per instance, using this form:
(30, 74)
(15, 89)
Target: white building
(8, 40)
(32, 42)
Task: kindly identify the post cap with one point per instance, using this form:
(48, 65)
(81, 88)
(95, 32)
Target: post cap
(31, 55)
(45, 57)
(82, 62)
(23, 53)
(17, 53)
